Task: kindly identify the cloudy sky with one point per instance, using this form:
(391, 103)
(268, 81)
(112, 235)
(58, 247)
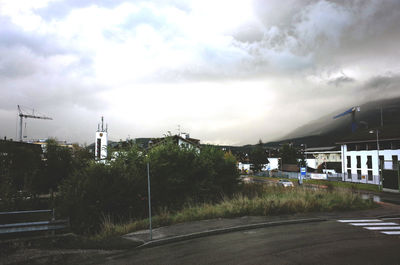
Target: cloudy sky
(227, 72)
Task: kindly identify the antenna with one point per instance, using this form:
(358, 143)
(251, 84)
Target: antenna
(102, 123)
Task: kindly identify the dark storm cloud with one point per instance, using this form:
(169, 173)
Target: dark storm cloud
(341, 81)
(383, 84)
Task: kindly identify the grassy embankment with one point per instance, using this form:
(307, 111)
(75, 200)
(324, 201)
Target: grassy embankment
(336, 184)
(264, 201)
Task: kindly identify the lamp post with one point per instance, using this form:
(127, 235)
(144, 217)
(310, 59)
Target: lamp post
(377, 150)
(149, 194)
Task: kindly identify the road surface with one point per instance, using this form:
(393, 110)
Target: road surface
(329, 242)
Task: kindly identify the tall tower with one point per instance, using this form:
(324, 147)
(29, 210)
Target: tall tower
(100, 151)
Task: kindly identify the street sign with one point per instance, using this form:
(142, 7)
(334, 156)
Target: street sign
(303, 173)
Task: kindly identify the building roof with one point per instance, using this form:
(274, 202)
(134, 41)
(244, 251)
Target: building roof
(323, 149)
(6, 146)
(290, 168)
(176, 138)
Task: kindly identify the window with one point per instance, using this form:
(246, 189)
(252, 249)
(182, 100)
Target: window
(359, 174)
(98, 151)
(370, 177)
(358, 161)
(349, 161)
(349, 173)
(369, 161)
(395, 161)
(381, 161)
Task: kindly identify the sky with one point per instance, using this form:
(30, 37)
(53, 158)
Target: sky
(227, 72)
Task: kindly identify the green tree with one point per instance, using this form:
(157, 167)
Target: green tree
(288, 155)
(258, 157)
(117, 189)
(57, 165)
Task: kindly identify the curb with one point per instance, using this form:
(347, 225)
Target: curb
(226, 230)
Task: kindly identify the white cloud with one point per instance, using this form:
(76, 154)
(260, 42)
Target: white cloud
(228, 71)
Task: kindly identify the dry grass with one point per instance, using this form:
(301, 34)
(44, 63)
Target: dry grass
(266, 201)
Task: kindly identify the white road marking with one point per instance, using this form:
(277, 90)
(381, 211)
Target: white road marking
(391, 233)
(370, 224)
(376, 225)
(362, 221)
(383, 228)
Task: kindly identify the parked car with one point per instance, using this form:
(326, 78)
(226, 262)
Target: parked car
(285, 183)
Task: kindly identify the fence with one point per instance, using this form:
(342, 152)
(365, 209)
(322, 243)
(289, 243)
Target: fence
(391, 176)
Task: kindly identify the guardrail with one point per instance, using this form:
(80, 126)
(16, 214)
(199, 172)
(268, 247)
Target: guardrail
(29, 226)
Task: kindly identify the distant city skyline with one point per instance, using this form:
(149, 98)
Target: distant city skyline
(227, 72)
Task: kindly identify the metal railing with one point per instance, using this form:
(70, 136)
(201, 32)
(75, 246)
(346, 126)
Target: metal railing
(19, 227)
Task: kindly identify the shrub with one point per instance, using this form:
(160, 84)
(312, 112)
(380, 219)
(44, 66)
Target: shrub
(118, 189)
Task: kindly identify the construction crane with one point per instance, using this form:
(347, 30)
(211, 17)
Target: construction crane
(351, 111)
(25, 115)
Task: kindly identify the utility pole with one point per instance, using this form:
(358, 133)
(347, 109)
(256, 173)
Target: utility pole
(148, 193)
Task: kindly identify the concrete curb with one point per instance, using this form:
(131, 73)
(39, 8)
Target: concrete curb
(227, 230)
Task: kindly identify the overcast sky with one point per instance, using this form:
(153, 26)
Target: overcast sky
(227, 72)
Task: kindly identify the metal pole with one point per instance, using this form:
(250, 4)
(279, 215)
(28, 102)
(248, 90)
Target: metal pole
(20, 128)
(379, 161)
(148, 191)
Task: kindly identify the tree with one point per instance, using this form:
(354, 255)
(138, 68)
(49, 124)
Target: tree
(58, 165)
(258, 157)
(288, 155)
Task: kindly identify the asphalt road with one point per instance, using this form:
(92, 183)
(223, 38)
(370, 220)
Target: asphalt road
(328, 242)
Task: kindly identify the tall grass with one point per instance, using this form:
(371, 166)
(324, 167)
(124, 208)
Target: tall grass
(255, 200)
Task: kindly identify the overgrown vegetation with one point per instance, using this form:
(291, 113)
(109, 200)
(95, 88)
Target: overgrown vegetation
(255, 199)
(186, 183)
(118, 189)
(26, 172)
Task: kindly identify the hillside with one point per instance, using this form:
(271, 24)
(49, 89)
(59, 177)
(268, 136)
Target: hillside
(326, 131)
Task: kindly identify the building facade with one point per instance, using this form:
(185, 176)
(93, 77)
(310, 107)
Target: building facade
(363, 160)
(101, 143)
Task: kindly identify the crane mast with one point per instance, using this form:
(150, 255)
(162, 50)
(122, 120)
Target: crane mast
(32, 115)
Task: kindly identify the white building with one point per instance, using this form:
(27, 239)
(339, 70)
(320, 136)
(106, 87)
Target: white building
(322, 156)
(182, 140)
(361, 159)
(100, 150)
(273, 164)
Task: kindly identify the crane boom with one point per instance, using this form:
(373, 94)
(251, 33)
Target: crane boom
(351, 111)
(23, 115)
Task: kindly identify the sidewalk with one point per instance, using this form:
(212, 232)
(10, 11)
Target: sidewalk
(184, 231)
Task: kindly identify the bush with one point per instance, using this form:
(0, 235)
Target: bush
(118, 189)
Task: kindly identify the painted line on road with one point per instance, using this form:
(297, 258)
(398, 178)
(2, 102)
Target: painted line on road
(361, 221)
(370, 224)
(391, 233)
(383, 228)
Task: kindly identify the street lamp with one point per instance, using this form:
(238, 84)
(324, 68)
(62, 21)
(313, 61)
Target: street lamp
(148, 192)
(377, 150)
